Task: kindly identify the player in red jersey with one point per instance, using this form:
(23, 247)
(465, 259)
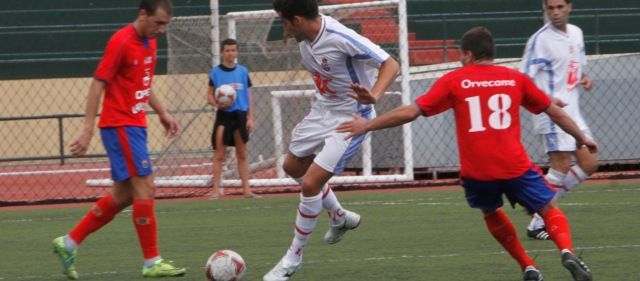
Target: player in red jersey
(124, 75)
(486, 100)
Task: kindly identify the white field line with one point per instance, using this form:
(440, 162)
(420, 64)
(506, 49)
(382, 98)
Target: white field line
(406, 202)
(449, 255)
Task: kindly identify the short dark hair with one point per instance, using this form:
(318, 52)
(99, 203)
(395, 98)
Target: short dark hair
(479, 41)
(151, 6)
(566, 1)
(290, 8)
(227, 42)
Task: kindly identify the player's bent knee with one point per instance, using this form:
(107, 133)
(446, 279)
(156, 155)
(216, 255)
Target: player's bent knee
(143, 187)
(294, 170)
(550, 206)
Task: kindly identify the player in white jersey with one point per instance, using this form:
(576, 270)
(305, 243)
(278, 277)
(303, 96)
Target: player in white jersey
(344, 65)
(554, 58)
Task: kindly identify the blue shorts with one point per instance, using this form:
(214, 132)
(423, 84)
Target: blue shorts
(529, 190)
(127, 150)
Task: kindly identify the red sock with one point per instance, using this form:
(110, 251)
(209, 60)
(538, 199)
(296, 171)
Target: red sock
(503, 230)
(558, 228)
(101, 213)
(144, 219)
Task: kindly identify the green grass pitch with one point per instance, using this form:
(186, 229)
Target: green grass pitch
(405, 235)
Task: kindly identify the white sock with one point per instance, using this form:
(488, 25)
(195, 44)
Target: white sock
(70, 244)
(306, 219)
(556, 178)
(537, 222)
(150, 262)
(574, 177)
(332, 205)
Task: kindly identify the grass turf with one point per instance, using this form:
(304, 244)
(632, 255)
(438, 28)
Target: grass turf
(408, 235)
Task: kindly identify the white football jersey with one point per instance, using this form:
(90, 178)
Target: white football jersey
(338, 57)
(554, 60)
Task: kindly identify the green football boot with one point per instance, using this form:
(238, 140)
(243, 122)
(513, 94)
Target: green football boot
(68, 258)
(163, 268)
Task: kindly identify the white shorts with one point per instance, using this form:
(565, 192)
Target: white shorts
(561, 141)
(316, 134)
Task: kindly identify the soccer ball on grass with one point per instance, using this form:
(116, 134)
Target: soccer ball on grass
(225, 265)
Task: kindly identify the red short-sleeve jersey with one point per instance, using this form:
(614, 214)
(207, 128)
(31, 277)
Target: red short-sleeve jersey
(486, 100)
(127, 68)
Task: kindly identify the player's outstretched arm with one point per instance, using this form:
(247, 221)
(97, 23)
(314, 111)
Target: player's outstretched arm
(565, 122)
(169, 123)
(386, 75)
(80, 143)
(396, 117)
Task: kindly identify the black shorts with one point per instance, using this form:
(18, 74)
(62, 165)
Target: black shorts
(231, 121)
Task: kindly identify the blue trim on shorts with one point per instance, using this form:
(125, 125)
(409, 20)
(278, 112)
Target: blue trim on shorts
(551, 140)
(354, 145)
(351, 150)
(137, 142)
(529, 190)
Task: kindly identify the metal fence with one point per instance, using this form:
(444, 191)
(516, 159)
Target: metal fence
(39, 116)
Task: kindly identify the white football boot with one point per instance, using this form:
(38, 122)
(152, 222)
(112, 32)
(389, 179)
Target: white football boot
(281, 272)
(335, 232)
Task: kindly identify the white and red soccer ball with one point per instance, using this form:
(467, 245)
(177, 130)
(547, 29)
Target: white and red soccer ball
(225, 94)
(225, 265)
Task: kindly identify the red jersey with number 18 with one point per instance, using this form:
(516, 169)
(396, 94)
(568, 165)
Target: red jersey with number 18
(486, 101)
(127, 68)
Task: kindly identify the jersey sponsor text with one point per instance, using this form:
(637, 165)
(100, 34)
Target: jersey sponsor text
(466, 84)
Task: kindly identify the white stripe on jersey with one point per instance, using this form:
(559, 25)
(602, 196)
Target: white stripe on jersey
(337, 57)
(554, 60)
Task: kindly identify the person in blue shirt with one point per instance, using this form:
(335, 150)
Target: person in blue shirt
(234, 120)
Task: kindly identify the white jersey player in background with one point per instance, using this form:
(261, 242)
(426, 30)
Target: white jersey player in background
(554, 58)
(344, 65)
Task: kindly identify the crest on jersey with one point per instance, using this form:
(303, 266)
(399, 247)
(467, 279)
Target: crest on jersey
(325, 65)
(322, 83)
